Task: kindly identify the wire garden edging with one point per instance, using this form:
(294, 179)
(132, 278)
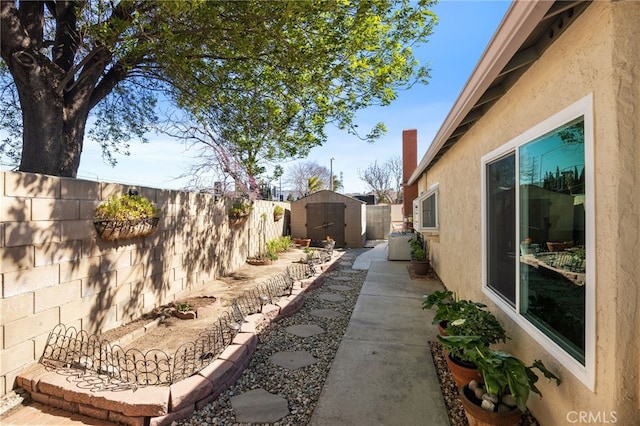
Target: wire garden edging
(66, 347)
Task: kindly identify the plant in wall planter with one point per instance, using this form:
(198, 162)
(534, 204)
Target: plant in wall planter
(278, 213)
(501, 396)
(239, 212)
(124, 217)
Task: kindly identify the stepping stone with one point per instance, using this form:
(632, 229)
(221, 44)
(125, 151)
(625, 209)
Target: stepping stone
(293, 359)
(259, 406)
(342, 278)
(307, 330)
(340, 287)
(325, 313)
(331, 297)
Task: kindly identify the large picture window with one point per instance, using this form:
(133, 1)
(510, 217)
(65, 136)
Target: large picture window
(537, 237)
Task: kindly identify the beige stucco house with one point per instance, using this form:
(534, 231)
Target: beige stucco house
(529, 198)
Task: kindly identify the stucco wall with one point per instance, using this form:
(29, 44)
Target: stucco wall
(55, 270)
(597, 54)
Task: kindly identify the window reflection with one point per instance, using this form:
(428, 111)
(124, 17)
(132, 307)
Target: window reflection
(552, 231)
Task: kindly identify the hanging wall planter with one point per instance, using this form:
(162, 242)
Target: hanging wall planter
(112, 230)
(125, 217)
(239, 212)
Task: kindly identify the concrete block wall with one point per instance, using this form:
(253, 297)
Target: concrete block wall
(54, 269)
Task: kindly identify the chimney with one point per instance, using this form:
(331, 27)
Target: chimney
(409, 165)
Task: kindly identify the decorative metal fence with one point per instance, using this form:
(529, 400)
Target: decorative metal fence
(67, 347)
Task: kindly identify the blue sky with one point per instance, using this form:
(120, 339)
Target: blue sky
(458, 41)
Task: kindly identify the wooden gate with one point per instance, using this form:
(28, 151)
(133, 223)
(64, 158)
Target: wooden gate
(326, 219)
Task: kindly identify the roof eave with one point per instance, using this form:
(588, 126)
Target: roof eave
(519, 21)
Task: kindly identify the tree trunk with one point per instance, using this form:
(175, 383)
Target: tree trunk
(53, 132)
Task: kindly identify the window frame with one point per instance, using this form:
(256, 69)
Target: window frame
(582, 108)
(417, 209)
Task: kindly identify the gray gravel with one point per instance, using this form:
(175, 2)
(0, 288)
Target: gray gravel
(302, 387)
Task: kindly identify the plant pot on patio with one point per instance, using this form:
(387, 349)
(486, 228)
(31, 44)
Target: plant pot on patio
(476, 416)
(302, 242)
(462, 372)
(420, 267)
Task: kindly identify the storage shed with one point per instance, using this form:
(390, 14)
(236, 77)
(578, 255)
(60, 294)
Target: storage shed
(327, 213)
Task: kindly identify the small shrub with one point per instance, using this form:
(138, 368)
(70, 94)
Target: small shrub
(126, 207)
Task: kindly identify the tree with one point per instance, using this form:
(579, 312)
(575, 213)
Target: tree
(304, 178)
(384, 180)
(292, 66)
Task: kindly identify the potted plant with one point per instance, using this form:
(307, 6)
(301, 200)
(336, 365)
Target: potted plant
(239, 212)
(501, 396)
(419, 256)
(278, 213)
(302, 242)
(126, 216)
(471, 319)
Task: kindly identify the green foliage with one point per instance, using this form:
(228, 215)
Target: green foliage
(502, 372)
(268, 75)
(183, 307)
(473, 320)
(417, 248)
(240, 209)
(126, 207)
(278, 211)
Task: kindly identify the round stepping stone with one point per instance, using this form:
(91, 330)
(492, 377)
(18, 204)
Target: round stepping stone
(325, 313)
(340, 287)
(331, 297)
(306, 330)
(342, 278)
(293, 359)
(259, 406)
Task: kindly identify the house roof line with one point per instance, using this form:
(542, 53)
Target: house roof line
(519, 21)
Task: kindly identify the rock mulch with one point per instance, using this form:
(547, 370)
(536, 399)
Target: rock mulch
(300, 387)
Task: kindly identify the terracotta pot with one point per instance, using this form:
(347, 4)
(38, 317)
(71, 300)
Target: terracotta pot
(442, 325)
(476, 416)
(420, 267)
(303, 242)
(462, 372)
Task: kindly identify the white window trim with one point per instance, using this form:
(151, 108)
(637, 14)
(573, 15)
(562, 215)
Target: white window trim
(584, 107)
(417, 213)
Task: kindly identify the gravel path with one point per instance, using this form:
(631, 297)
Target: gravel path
(301, 387)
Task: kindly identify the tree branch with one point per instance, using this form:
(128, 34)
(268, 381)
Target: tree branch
(67, 37)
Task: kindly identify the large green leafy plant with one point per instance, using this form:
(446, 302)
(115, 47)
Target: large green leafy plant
(506, 378)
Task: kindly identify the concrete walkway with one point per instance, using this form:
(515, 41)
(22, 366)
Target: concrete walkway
(383, 372)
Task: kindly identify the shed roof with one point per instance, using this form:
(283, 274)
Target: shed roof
(526, 31)
(328, 193)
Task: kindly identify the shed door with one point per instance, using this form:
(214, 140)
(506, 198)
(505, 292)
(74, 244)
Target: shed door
(326, 219)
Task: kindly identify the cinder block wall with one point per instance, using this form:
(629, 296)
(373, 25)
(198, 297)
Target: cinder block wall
(54, 269)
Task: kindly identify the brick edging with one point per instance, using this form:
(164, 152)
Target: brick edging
(161, 405)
